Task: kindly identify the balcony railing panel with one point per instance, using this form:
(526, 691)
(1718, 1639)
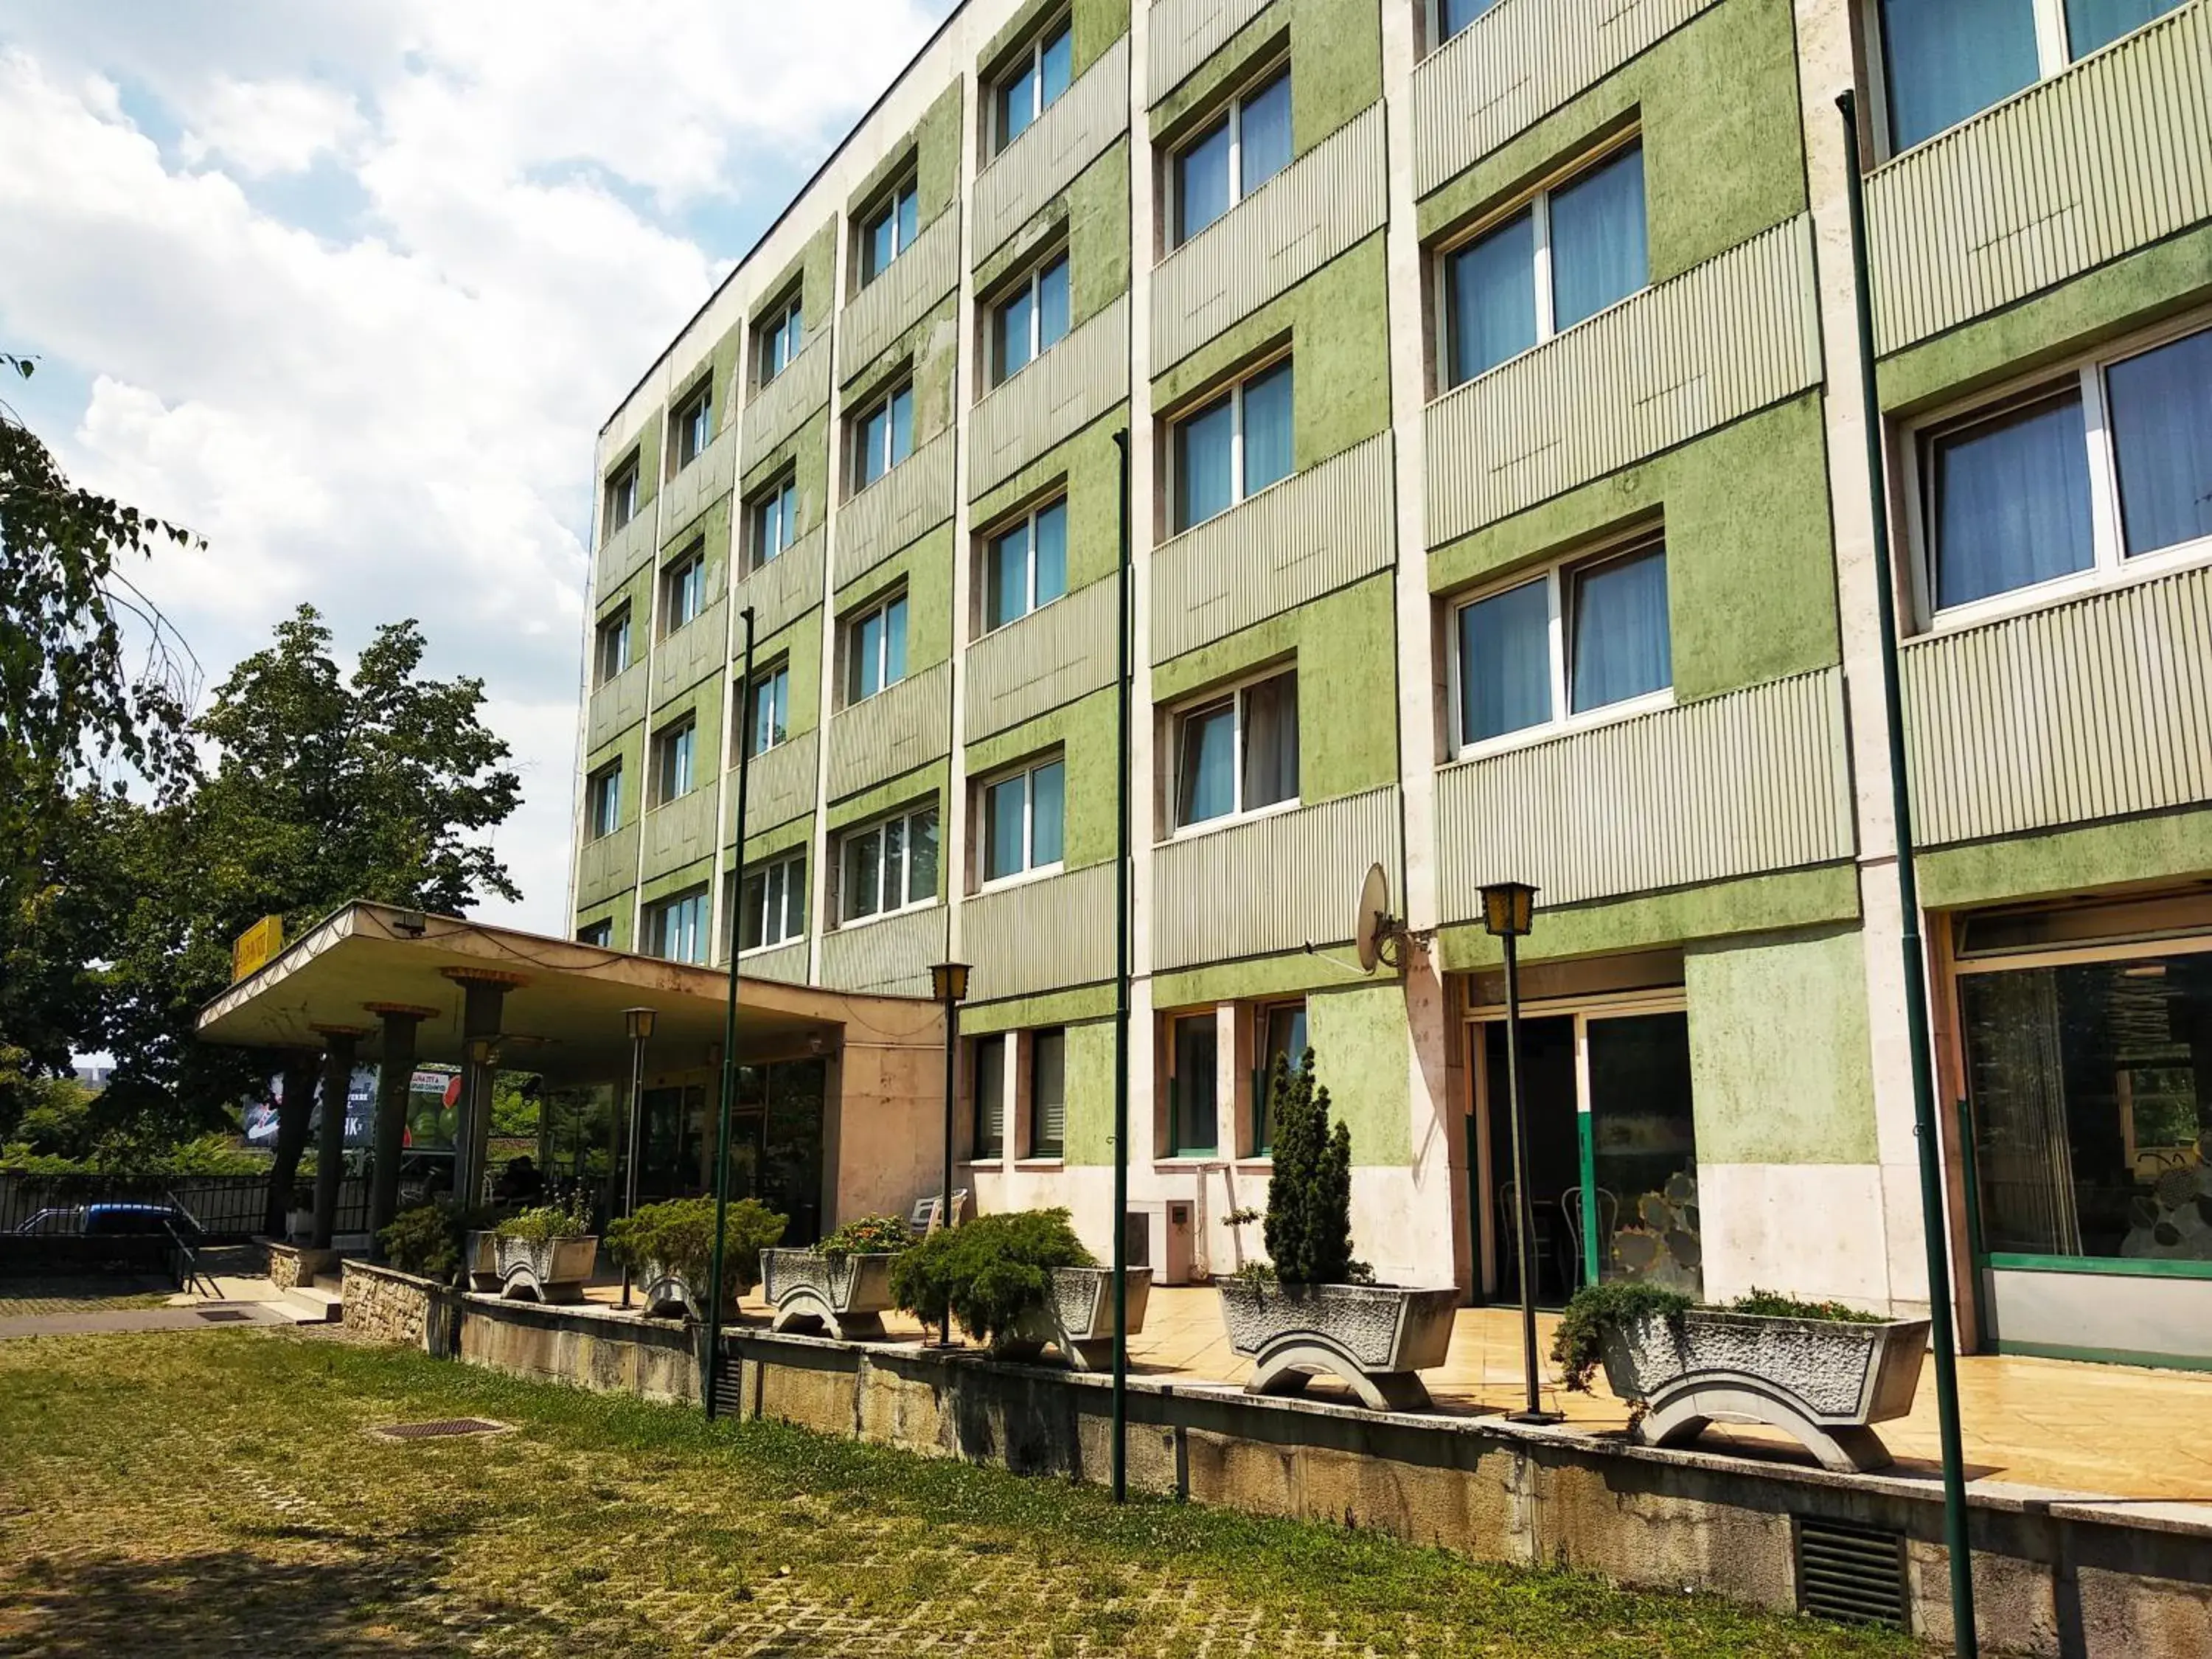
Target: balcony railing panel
(606, 865)
(900, 295)
(1050, 401)
(784, 589)
(778, 409)
(699, 485)
(615, 707)
(1049, 658)
(692, 652)
(779, 787)
(622, 553)
(679, 833)
(1041, 935)
(891, 956)
(904, 726)
(912, 499)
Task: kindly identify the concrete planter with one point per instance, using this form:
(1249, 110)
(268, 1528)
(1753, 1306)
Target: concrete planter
(1078, 1318)
(556, 1271)
(847, 1299)
(670, 1294)
(1824, 1380)
(480, 1256)
(1376, 1337)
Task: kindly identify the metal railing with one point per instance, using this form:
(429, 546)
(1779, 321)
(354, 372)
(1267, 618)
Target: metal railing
(222, 1207)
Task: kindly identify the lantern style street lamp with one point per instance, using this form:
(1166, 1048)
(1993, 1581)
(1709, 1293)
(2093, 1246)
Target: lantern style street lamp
(948, 982)
(637, 1023)
(1508, 910)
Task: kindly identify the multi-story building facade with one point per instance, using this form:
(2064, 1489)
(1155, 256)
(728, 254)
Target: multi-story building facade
(1498, 510)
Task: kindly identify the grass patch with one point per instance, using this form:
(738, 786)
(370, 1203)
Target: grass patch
(195, 1493)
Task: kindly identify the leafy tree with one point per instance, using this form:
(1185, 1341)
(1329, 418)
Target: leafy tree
(1309, 1225)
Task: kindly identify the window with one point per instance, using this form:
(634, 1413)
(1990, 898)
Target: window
(1579, 638)
(883, 437)
(1250, 144)
(692, 427)
(767, 709)
(1238, 753)
(987, 1056)
(600, 934)
(1577, 248)
(672, 760)
(1026, 566)
(622, 495)
(603, 800)
(1029, 321)
(677, 929)
(889, 865)
(1279, 1033)
(2088, 474)
(612, 652)
(774, 518)
(1047, 1093)
(875, 648)
(771, 910)
(890, 233)
(781, 337)
(1194, 1086)
(1024, 818)
(1233, 448)
(683, 590)
(1453, 15)
(1040, 74)
(1944, 61)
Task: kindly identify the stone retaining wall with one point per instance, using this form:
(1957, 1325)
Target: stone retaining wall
(386, 1305)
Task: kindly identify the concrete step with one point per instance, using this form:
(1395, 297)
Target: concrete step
(310, 1305)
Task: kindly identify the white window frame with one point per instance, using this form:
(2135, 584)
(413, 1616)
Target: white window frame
(675, 577)
(1026, 522)
(880, 605)
(887, 208)
(791, 867)
(1233, 113)
(1032, 285)
(1556, 577)
(599, 828)
(1030, 869)
(758, 552)
(763, 678)
(1237, 692)
(694, 415)
(2110, 567)
(657, 917)
(858, 427)
(1029, 66)
(663, 742)
(787, 322)
(1537, 203)
(616, 625)
(622, 485)
(908, 816)
(1238, 494)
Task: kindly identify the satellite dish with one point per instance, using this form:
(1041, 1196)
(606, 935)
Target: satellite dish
(1376, 923)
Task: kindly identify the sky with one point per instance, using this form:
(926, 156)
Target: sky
(349, 287)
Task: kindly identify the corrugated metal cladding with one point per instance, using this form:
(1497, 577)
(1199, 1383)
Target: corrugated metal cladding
(617, 706)
(1042, 934)
(2088, 710)
(694, 651)
(2111, 155)
(779, 787)
(1517, 62)
(900, 295)
(1044, 161)
(1050, 657)
(1296, 223)
(778, 407)
(901, 728)
(622, 553)
(1308, 536)
(914, 497)
(1732, 785)
(607, 866)
(892, 955)
(1721, 340)
(680, 832)
(786, 963)
(784, 588)
(1181, 35)
(1051, 400)
(1273, 883)
(699, 485)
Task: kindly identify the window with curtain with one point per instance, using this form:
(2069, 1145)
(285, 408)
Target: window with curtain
(875, 648)
(1238, 753)
(2010, 501)
(603, 800)
(1041, 73)
(1025, 566)
(1024, 818)
(883, 437)
(1581, 636)
(2091, 24)
(776, 521)
(987, 1058)
(1248, 144)
(1029, 321)
(772, 910)
(888, 866)
(1577, 248)
(677, 929)
(2160, 404)
(889, 231)
(1047, 1093)
(683, 590)
(673, 753)
(767, 709)
(1233, 447)
(1193, 1087)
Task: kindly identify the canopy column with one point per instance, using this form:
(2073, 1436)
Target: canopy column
(340, 1043)
(395, 1075)
(485, 993)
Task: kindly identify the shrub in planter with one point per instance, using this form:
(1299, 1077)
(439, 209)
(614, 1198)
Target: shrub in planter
(1308, 1228)
(428, 1240)
(989, 1273)
(675, 1240)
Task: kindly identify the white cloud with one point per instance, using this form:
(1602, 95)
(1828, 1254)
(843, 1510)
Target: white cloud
(350, 289)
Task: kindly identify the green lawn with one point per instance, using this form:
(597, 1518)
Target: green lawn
(217, 1492)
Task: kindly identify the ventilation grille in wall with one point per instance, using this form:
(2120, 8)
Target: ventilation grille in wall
(1855, 1575)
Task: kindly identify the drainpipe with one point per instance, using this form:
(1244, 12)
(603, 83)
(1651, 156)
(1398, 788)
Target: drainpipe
(1120, 1459)
(729, 1037)
(1955, 1541)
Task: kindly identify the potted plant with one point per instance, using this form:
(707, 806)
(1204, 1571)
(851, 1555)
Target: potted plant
(546, 1253)
(1822, 1370)
(1311, 1308)
(428, 1240)
(669, 1249)
(1017, 1281)
(843, 1284)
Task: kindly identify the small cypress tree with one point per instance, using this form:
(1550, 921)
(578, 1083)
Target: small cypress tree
(1309, 1225)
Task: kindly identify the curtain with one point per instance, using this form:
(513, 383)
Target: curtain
(1947, 60)
(1002, 827)
(2017, 1082)
(1051, 555)
(1201, 184)
(1505, 662)
(2012, 501)
(1267, 428)
(2093, 23)
(1598, 251)
(1492, 297)
(1207, 788)
(1264, 135)
(2161, 415)
(1048, 813)
(1195, 1086)
(1619, 647)
(1270, 742)
(1202, 457)
(1007, 594)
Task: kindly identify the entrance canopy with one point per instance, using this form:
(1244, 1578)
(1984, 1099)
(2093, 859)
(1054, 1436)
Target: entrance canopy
(562, 1016)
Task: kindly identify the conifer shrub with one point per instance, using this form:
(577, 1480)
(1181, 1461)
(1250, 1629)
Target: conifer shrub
(679, 1234)
(989, 1272)
(1309, 1223)
(427, 1239)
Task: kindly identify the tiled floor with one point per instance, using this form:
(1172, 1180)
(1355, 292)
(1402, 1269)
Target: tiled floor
(2115, 1430)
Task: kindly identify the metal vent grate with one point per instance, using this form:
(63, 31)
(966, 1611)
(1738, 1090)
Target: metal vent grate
(1855, 1575)
(439, 1430)
(223, 1315)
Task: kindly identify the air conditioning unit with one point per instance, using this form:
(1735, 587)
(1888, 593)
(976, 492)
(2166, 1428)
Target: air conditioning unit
(1161, 1238)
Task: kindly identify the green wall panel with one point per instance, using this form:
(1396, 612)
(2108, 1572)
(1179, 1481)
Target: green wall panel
(2161, 847)
(1363, 1051)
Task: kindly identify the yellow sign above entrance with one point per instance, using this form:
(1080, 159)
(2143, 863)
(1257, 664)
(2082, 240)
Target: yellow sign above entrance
(252, 950)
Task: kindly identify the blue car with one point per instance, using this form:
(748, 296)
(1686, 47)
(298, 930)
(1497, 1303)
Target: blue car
(112, 1220)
